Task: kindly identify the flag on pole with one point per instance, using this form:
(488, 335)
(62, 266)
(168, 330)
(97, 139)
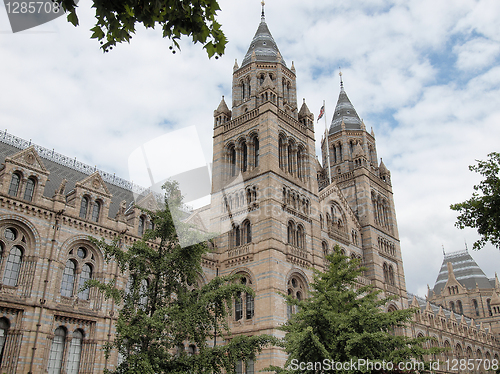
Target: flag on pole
(321, 112)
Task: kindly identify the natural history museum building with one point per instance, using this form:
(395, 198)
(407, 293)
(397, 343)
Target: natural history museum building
(287, 214)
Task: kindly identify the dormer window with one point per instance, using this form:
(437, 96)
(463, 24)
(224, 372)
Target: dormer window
(30, 189)
(96, 211)
(140, 229)
(14, 184)
(83, 207)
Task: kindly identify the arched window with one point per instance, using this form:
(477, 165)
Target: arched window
(237, 236)
(391, 275)
(13, 266)
(238, 307)
(297, 290)
(96, 209)
(85, 276)
(256, 151)
(57, 351)
(324, 245)
(386, 273)
(248, 231)
(488, 304)
(68, 280)
(14, 184)
(246, 309)
(30, 189)
(4, 328)
(249, 306)
(244, 151)
(291, 233)
(142, 223)
(79, 269)
(232, 160)
(460, 308)
(299, 163)
(452, 306)
(84, 207)
(143, 293)
(75, 353)
(300, 236)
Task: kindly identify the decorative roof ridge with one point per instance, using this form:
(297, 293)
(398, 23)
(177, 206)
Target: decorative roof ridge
(71, 163)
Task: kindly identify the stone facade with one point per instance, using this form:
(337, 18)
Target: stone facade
(279, 211)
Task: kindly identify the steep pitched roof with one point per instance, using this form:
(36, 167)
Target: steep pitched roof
(467, 272)
(263, 46)
(344, 111)
(60, 168)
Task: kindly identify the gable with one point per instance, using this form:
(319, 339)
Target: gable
(29, 159)
(94, 183)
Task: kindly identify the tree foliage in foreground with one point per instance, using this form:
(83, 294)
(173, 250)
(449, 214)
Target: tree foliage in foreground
(341, 323)
(116, 21)
(165, 309)
(482, 210)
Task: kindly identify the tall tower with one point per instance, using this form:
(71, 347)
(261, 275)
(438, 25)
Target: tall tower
(265, 190)
(366, 186)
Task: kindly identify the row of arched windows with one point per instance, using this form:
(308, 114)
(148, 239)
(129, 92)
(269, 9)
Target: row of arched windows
(296, 235)
(293, 199)
(292, 157)
(240, 199)
(17, 188)
(240, 234)
(386, 246)
(242, 156)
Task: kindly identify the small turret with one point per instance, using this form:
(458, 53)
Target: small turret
(384, 173)
(222, 114)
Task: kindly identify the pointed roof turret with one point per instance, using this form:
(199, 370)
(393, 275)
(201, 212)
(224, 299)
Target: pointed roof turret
(465, 270)
(222, 108)
(263, 45)
(344, 112)
(382, 168)
(304, 110)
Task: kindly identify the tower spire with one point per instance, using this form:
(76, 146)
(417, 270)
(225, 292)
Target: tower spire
(341, 81)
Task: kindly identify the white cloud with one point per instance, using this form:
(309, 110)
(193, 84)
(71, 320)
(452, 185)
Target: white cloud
(423, 74)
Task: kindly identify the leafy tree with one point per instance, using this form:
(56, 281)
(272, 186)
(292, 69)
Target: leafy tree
(164, 308)
(341, 321)
(116, 21)
(482, 211)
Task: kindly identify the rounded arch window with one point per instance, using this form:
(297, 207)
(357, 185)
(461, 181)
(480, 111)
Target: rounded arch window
(13, 247)
(141, 226)
(79, 268)
(14, 184)
(57, 351)
(296, 288)
(244, 303)
(96, 211)
(30, 189)
(84, 207)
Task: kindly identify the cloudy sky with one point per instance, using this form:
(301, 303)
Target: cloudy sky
(424, 74)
